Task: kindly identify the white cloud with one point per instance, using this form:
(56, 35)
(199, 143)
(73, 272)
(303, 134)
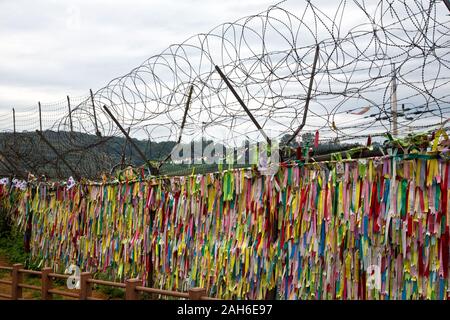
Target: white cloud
(56, 48)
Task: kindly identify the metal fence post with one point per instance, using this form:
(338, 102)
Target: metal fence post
(85, 285)
(40, 115)
(70, 114)
(14, 120)
(46, 284)
(16, 291)
(95, 114)
(196, 293)
(130, 289)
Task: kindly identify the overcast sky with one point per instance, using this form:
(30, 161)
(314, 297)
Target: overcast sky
(51, 48)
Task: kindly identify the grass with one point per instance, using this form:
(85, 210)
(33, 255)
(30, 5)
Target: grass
(11, 241)
(12, 250)
(11, 247)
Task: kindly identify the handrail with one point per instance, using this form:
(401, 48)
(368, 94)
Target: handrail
(5, 296)
(6, 268)
(64, 293)
(131, 286)
(107, 283)
(209, 298)
(5, 282)
(37, 273)
(28, 286)
(59, 275)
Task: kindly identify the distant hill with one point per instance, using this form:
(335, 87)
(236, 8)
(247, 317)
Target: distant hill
(88, 155)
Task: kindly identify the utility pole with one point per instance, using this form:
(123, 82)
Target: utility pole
(14, 121)
(394, 102)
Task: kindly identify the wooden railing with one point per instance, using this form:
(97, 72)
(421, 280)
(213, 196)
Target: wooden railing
(132, 287)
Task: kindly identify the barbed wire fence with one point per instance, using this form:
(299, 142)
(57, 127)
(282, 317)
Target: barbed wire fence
(383, 66)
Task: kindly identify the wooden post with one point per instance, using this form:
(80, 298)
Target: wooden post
(85, 285)
(40, 116)
(70, 114)
(95, 115)
(14, 121)
(130, 289)
(16, 291)
(197, 293)
(46, 284)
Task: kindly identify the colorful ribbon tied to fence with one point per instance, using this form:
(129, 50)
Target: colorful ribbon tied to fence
(353, 229)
